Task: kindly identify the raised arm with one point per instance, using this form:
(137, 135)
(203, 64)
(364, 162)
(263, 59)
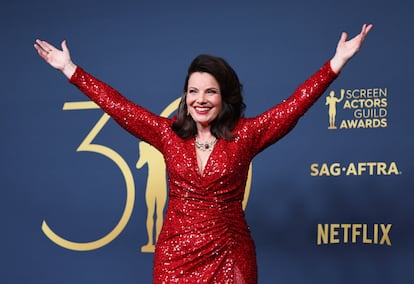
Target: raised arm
(279, 120)
(133, 118)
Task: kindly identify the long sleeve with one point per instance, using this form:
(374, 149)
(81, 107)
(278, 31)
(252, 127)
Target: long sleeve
(132, 117)
(273, 124)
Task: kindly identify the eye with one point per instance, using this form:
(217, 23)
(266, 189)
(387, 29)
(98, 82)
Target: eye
(212, 91)
(192, 91)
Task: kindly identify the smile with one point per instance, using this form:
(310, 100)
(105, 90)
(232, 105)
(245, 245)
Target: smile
(202, 110)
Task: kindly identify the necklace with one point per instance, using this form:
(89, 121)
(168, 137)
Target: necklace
(205, 146)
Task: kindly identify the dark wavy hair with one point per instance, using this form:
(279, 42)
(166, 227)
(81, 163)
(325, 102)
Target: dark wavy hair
(232, 108)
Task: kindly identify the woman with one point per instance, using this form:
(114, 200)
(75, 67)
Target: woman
(207, 150)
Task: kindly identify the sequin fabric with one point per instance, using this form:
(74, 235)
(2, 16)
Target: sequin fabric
(205, 238)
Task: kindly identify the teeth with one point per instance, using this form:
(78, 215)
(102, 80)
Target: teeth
(202, 108)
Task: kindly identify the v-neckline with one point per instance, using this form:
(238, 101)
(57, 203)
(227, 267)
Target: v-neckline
(201, 171)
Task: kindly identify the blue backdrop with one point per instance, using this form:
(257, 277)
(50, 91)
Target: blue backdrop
(359, 173)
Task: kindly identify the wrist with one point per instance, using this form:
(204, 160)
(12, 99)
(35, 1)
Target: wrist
(69, 69)
(337, 63)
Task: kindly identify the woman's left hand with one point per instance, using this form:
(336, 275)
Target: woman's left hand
(345, 50)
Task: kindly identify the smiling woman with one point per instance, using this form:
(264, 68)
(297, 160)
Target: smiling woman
(207, 150)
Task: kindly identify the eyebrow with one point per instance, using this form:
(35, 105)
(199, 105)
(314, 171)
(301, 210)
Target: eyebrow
(210, 88)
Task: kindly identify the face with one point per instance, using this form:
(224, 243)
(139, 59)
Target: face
(203, 98)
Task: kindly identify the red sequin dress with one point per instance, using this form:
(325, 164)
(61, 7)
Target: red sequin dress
(205, 238)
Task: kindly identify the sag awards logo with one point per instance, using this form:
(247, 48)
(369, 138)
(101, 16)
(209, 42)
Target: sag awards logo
(155, 192)
(358, 108)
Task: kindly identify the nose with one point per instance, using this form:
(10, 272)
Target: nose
(202, 98)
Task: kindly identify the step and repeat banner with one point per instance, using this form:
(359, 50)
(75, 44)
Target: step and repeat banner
(83, 201)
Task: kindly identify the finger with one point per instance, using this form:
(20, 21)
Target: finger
(39, 45)
(344, 36)
(39, 49)
(64, 46)
(364, 26)
(368, 28)
(365, 29)
(45, 45)
(49, 47)
(42, 45)
(42, 53)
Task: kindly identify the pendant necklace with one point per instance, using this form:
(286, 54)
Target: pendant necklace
(205, 146)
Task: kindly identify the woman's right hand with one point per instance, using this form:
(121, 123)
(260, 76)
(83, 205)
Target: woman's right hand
(59, 59)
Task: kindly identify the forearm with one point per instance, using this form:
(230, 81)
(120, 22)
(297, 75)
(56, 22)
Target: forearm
(279, 120)
(132, 117)
(109, 99)
(310, 90)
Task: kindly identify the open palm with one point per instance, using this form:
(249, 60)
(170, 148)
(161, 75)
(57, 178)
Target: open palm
(59, 59)
(55, 57)
(347, 49)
